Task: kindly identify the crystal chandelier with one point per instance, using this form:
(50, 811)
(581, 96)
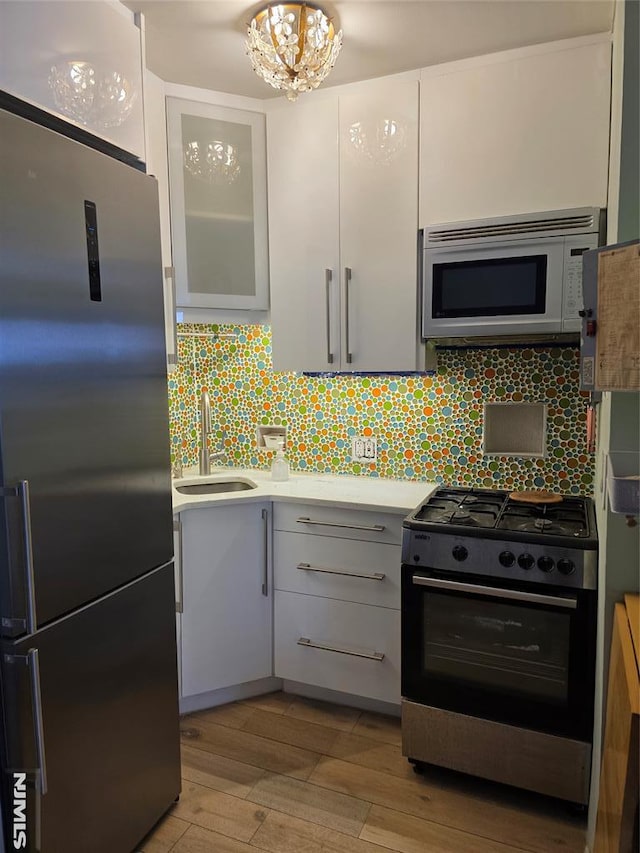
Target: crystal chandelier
(94, 97)
(293, 46)
(215, 162)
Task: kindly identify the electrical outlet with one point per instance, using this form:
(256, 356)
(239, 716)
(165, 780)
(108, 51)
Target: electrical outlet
(364, 448)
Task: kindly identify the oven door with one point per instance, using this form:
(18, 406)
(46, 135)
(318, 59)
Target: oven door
(504, 289)
(511, 652)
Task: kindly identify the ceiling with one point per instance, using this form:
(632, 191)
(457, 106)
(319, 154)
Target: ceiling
(202, 43)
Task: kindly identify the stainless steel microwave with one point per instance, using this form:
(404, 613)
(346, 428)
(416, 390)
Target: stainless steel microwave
(516, 277)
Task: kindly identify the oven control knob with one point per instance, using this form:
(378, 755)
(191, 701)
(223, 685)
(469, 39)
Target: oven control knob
(460, 553)
(545, 564)
(566, 567)
(506, 558)
(526, 561)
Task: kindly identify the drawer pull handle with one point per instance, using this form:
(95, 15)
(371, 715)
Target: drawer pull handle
(377, 656)
(306, 567)
(374, 528)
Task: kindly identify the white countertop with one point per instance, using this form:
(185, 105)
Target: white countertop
(365, 493)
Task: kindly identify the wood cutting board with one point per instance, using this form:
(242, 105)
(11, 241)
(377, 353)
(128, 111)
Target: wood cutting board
(537, 496)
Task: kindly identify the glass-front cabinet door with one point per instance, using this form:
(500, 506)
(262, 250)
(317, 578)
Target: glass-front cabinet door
(217, 178)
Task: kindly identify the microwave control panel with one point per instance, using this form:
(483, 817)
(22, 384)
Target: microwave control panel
(572, 299)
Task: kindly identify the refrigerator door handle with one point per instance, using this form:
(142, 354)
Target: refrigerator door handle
(34, 671)
(21, 491)
(177, 528)
(32, 661)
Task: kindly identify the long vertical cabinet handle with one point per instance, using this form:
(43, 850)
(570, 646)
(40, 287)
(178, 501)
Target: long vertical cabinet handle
(25, 501)
(177, 528)
(347, 281)
(328, 275)
(265, 528)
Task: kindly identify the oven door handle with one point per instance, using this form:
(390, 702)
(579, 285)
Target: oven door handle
(496, 592)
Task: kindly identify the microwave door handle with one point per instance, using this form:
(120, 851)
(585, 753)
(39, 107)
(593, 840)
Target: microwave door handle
(496, 592)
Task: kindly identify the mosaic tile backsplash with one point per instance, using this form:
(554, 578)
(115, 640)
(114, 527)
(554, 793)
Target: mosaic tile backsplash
(427, 427)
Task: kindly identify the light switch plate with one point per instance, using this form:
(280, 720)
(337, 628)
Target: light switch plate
(364, 448)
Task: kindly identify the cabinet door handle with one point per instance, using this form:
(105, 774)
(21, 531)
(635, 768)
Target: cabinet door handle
(177, 527)
(306, 567)
(347, 281)
(377, 656)
(374, 528)
(328, 275)
(265, 576)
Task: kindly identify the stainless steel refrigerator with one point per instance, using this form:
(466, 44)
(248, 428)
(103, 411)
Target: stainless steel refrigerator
(88, 670)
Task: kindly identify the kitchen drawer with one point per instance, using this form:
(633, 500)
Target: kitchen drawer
(323, 520)
(356, 634)
(364, 572)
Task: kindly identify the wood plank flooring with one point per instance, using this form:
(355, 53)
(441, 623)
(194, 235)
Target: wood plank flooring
(289, 775)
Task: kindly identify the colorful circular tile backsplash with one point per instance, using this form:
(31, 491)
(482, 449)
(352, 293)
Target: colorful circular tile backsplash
(427, 427)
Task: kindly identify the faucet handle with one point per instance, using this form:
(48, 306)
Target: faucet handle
(220, 452)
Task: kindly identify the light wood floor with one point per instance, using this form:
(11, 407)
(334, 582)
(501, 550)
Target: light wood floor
(287, 775)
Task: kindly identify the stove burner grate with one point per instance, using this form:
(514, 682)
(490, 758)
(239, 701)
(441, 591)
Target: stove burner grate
(470, 510)
(493, 509)
(544, 525)
(565, 519)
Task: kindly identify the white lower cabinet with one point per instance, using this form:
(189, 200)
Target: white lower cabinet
(327, 520)
(333, 621)
(226, 597)
(337, 600)
(338, 645)
(347, 569)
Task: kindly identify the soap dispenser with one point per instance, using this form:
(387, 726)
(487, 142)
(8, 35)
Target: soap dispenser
(280, 466)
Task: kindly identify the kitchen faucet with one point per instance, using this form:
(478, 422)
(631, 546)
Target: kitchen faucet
(205, 429)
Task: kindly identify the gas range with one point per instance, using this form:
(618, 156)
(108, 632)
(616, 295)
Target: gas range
(485, 532)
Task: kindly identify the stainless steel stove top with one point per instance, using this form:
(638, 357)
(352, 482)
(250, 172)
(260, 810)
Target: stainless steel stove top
(484, 532)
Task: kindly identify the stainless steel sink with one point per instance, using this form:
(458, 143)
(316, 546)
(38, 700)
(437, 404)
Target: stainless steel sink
(215, 488)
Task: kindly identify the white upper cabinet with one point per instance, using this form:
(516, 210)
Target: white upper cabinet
(81, 61)
(517, 132)
(343, 202)
(217, 176)
(378, 227)
(304, 234)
